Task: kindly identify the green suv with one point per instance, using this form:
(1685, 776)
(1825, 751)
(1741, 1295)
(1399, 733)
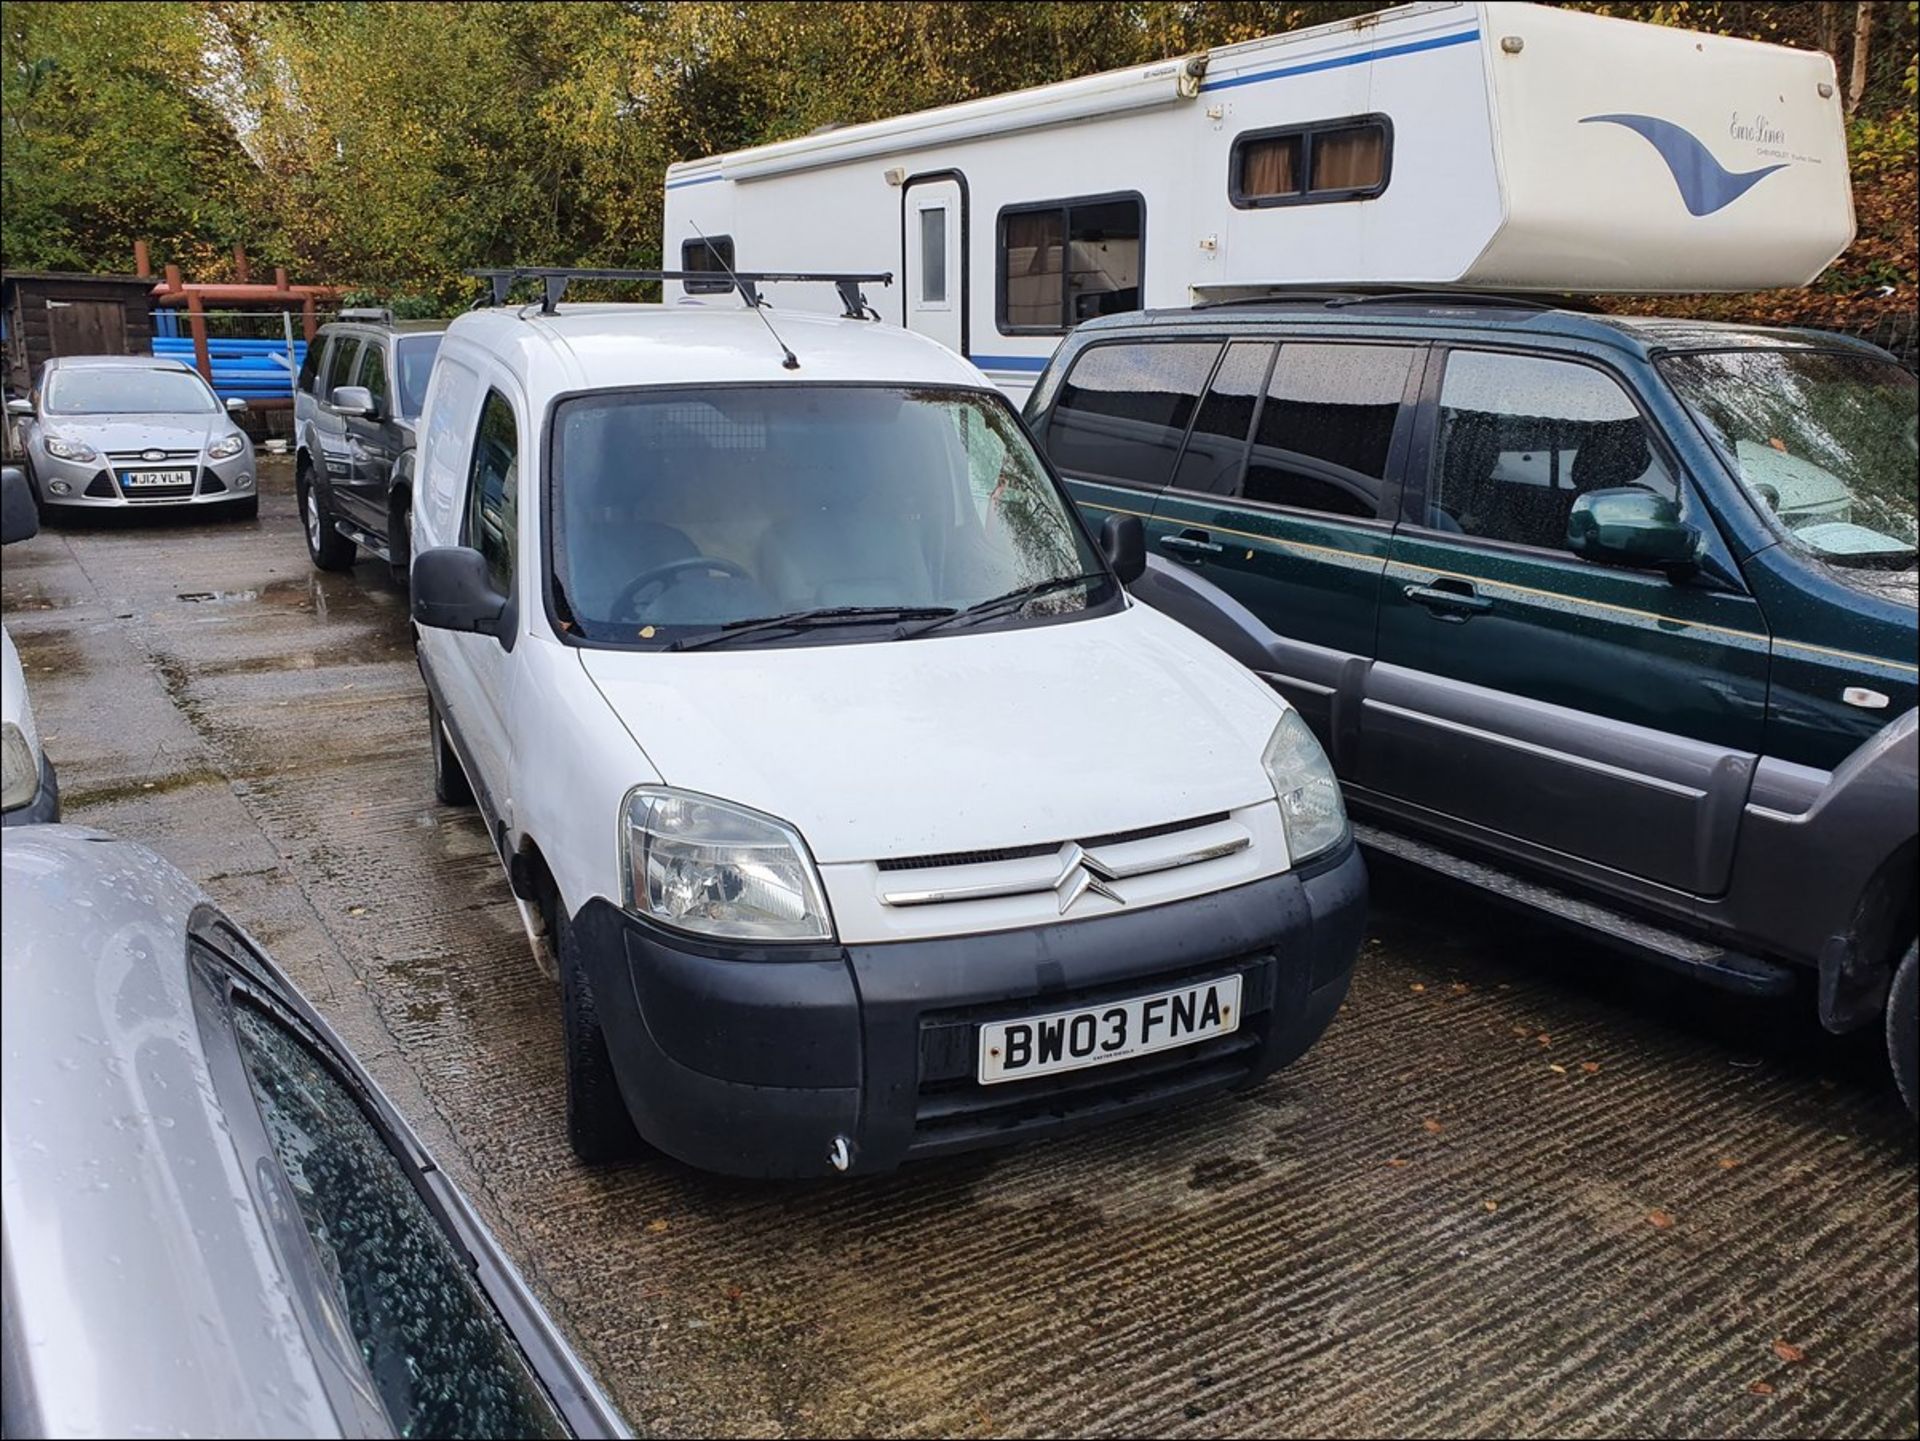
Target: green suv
(1612, 617)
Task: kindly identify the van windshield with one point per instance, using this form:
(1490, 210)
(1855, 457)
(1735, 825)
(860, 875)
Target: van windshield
(690, 515)
(1825, 443)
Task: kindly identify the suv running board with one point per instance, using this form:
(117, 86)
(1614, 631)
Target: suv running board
(1704, 961)
(366, 540)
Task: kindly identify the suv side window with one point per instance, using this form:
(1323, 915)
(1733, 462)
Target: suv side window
(339, 366)
(441, 1360)
(373, 375)
(1217, 447)
(492, 491)
(1521, 437)
(1123, 410)
(310, 362)
(1327, 426)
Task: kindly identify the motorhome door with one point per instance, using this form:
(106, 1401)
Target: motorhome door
(934, 261)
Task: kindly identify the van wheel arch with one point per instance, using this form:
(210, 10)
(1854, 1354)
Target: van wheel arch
(1857, 968)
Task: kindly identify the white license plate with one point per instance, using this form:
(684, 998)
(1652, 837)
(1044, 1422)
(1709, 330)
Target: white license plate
(1116, 1031)
(141, 479)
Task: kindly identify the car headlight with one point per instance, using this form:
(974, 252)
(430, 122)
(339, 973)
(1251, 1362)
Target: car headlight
(1311, 810)
(702, 865)
(227, 445)
(19, 768)
(70, 449)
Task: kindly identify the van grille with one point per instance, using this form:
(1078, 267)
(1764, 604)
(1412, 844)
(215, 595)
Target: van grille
(1021, 853)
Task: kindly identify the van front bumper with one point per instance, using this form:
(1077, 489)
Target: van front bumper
(779, 1064)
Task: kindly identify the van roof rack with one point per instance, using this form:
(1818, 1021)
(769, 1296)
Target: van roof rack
(377, 313)
(555, 280)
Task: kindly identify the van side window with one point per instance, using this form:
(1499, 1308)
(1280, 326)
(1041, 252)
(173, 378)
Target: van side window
(712, 252)
(1521, 437)
(339, 366)
(1326, 428)
(1217, 447)
(1123, 410)
(1332, 160)
(492, 491)
(1067, 261)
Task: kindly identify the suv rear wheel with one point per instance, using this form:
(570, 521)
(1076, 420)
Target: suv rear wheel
(598, 1124)
(400, 539)
(450, 786)
(326, 547)
(1903, 1027)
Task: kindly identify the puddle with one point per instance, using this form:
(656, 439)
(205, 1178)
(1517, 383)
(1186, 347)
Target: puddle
(217, 597)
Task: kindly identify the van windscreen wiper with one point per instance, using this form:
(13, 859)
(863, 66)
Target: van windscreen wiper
(806, 620)
(1012, 600)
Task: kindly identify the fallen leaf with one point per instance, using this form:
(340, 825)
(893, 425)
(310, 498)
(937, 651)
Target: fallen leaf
(1396, 1161)
(1659, 1220)
(1788, 1352)
(1544, 1039)
(1590, 1067)
(1555, 1066)
(356, 910)
(1416, 988)
(733, 1293)
(1431, 1126)
(656, 1227)
(1760, 1388)
(1491, 1205)
(1727, 1163)
(1520, 1030)
(1460, 988)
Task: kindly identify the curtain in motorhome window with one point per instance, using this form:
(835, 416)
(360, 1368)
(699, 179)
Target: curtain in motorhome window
(1332, 160)
(1069, 261)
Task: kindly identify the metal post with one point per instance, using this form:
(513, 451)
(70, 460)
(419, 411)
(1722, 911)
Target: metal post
(197, 320)
(309, 320)
(293, 361)
(142, 260)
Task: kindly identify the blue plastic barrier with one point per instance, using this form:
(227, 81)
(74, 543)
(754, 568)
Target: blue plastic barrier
(242, 369)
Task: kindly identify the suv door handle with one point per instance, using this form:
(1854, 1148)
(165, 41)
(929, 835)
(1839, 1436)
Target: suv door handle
(1454, 600)
(1191, 542)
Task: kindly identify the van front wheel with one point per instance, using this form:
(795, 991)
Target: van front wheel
(598, 1124)
(450, 786)
(1903, 1027)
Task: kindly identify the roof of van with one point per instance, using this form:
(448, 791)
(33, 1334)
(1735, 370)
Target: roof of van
(592, 347)
(1643, 334)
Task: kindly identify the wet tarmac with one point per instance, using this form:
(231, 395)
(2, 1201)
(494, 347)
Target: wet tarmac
(1521, 1186)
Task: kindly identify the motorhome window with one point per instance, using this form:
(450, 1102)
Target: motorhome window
(1069, 261)
(1334, 160)
(1326, 428)
(1522, 437)
(933, 255)
(1123, 410)
(710, 252)
(1217, 446)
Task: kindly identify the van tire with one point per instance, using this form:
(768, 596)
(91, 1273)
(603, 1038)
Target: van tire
(450, 786)
(598, 1125)
(326, 547)
(1903, 1028)
(400, 540)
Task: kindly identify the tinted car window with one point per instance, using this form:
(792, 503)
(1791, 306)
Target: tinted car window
(339, 365)
(492, 490)
(310, 364)
(1326, 427)
(1123, 410)
(1218, 444)
(439, 1356)
(373, 374)
(1521, 437)
(413, 358)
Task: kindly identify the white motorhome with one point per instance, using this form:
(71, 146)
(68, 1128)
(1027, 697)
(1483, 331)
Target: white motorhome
(1488, 146)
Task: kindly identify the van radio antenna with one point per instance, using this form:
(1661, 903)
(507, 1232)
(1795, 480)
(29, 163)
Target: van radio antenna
(751, 296)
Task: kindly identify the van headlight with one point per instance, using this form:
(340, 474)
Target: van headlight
(703, 865)
(19, 768)
(70, 449)
(1311, 810)
(226, 445)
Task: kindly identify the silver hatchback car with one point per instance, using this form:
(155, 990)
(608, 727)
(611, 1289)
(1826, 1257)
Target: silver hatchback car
(214, 1223)
(132, 430)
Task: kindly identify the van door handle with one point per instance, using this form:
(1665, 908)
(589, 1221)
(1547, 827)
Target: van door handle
(1190, 542)
(1454, 600)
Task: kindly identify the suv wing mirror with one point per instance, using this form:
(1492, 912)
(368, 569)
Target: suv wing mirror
(353, 400)
(1632, 527)
(19, 516)
(1124, 541)
(451, 590)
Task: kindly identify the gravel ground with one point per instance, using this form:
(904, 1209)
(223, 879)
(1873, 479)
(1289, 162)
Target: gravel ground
(1521, 1186)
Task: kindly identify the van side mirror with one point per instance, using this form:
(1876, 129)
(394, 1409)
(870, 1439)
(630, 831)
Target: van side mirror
(1124, 542)
(1632, 527)
(19, 516)
(353, 400)
(451, 590)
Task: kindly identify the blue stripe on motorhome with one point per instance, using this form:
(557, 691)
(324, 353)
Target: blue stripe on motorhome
(697, 180)
(1034, 363)
(1358, 57)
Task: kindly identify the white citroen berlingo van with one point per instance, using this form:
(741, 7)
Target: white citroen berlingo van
(863, 814)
